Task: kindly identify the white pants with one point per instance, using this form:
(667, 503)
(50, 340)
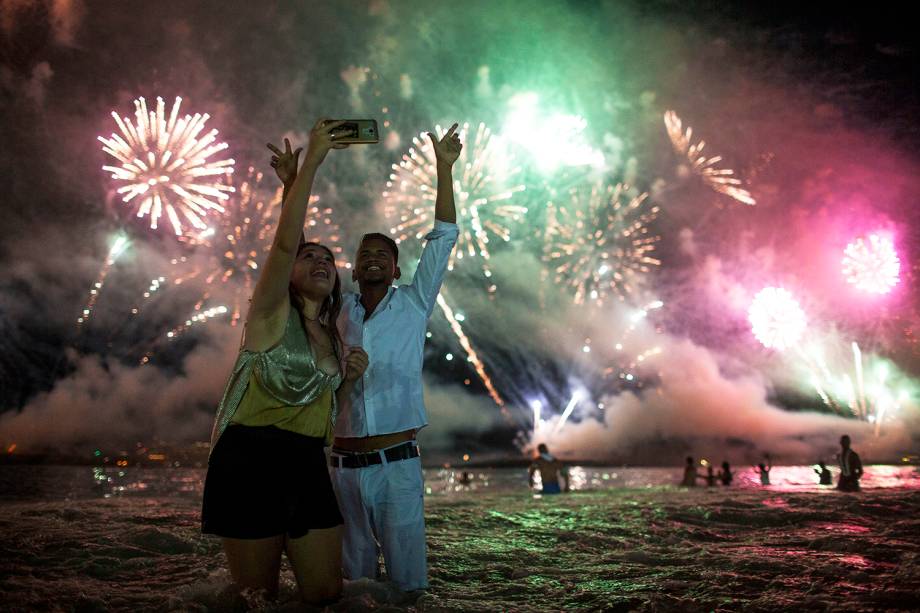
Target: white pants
(383, 510)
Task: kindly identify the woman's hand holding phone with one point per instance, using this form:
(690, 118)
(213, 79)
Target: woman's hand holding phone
(322, 139)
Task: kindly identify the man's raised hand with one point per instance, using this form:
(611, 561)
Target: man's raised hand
(447, 150)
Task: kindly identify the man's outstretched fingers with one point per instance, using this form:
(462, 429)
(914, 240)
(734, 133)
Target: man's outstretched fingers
(274, 149)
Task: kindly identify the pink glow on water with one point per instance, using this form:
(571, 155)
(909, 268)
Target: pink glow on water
(843, 527)
(800, 478)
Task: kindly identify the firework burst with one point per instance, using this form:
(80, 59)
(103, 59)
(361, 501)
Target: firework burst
(599, 243)
(722, 180)
(484, 209)
(872, 264)
(165, 167)
(242, 238)
(321, 227)
(777, 320)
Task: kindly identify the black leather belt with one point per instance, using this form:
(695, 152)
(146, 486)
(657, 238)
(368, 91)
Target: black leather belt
(346, 459)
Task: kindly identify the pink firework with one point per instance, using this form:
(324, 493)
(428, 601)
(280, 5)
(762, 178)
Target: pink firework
(165, 166)
(776, 318)
(871, 264)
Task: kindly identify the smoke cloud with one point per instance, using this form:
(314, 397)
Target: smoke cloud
(826, 151)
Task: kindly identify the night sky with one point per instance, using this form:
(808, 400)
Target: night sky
(816, 112)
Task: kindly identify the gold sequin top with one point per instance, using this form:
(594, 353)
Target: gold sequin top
(287, 375)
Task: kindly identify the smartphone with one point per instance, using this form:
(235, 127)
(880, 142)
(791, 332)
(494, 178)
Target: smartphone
(357, 132)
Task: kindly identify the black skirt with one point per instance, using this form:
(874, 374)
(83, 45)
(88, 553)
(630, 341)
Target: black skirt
(264, 481)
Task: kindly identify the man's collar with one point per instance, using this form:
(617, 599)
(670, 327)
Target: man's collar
(383, 302)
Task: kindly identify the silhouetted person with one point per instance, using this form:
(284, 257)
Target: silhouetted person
(851, 470)
(764, 471)
(824, 474)
(550, 468)
(710, 476)
(689, 473)
(726, 474)
(465, 478)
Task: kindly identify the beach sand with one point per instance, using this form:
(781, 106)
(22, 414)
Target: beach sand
(644, 549)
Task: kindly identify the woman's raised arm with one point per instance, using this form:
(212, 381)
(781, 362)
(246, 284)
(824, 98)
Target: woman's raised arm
(269, 309)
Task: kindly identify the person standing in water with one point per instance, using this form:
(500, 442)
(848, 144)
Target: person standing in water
(278, 410)
(550, 469)
(764, 470)
(689, 473)
(726, 475)
(851, 470)
(377, 469)
(824, 474)
(710, 476)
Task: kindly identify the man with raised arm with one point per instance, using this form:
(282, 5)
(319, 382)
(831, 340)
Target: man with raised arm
(375, 457)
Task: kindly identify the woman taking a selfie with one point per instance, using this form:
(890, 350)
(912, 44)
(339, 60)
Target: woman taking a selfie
(267, 489)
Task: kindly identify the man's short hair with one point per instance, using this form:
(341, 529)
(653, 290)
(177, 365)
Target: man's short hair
(386, 239)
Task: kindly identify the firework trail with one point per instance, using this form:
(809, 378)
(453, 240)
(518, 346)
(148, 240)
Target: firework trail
(722, 180)
(472, 356)
(871, 264)
(864, 387)
(164, 167)
(625, 370)
(198, 317)
(599, 244)
(118, 247)
(484, 209)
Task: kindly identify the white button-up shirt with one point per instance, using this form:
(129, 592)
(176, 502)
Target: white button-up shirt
(388, 398)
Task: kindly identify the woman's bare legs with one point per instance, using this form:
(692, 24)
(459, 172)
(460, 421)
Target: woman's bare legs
(255, 563)
(317, 561)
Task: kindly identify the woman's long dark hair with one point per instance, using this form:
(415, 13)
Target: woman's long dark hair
(329, 310)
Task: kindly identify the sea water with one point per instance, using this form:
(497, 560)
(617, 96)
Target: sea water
(625, 538)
